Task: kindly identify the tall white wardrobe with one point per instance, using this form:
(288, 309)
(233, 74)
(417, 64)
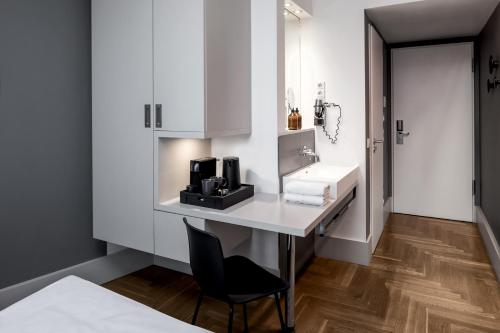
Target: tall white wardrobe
(174, 68)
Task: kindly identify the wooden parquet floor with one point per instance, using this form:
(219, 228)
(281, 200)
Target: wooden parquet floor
(426, 275)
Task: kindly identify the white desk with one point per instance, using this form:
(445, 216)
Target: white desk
(263, 211)
(268, 212)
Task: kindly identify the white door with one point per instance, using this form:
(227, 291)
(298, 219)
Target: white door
(433, 161)
(179, 65)
(122, 144)
(376, 84)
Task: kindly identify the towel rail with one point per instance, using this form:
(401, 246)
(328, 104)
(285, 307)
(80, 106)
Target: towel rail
(336, 213)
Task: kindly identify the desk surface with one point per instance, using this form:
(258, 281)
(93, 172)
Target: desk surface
(263, 211)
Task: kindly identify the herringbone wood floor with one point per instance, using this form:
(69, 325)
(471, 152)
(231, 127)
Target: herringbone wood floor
(426, 275)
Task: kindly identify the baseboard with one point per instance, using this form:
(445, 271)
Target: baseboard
(357, 252)
(99, 271)
(489, 240)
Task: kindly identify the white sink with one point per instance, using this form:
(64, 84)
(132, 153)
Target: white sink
(342, 179)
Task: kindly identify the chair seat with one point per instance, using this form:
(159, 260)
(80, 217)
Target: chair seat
(247, 281)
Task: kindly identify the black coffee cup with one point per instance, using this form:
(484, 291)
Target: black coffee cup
(210, 186)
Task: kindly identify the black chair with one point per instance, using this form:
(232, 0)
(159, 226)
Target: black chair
(233, 280)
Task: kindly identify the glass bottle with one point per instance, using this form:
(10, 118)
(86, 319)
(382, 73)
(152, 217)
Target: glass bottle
(292, 120)
(299, 119)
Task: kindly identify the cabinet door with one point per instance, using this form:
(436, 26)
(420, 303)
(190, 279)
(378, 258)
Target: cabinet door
(179, 73)
(171, 239)
(122, 84)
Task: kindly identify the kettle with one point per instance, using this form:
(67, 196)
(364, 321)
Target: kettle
(231, 172)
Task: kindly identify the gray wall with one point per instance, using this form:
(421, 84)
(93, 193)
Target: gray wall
(289, 148)
(490, 126)
(45, 138)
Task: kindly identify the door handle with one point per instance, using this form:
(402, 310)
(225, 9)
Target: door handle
(375, 142)
(158, 115)
(400, 136)
(400, 132)
(147, 115)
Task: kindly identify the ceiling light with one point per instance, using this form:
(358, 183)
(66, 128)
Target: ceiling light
(297, 11)
(285, 12)
(288, 4)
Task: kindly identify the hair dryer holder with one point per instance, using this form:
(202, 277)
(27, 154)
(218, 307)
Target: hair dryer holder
(320, 108)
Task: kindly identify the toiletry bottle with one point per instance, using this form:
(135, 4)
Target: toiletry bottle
(292, 121)
(299, 118)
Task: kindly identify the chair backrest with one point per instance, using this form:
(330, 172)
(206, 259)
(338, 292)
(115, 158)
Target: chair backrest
(207, 261)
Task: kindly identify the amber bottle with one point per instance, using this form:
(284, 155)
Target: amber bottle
(292, 120)
(299, 119)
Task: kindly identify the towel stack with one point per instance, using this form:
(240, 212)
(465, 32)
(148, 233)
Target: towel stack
(316, 194)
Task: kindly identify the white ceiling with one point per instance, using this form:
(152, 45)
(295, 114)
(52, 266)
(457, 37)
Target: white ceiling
(432, 19)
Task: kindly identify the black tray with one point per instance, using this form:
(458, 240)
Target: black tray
(217, 202)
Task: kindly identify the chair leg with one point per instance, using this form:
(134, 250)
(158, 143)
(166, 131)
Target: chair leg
(245, 318)
(278, 307)
(230, 322)
(198, 304)
(286, 307)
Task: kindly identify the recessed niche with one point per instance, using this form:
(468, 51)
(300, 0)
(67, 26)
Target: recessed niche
(172, 164)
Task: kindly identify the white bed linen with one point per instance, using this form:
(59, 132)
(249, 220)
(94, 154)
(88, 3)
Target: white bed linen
(73, 305)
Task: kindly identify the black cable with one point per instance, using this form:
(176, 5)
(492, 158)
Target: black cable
(335, 138)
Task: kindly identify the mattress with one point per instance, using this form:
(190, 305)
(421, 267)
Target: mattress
(76, 305)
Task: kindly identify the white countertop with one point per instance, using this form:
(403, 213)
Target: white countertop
(263, 211)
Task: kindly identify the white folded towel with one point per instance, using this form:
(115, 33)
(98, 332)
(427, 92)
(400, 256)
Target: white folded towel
(314, 200)
(307, 188)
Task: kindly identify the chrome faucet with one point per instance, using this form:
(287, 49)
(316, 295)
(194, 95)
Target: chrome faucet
(307, 151)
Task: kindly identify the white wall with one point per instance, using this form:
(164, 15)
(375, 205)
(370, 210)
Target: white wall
(258, 152)
(333, 51)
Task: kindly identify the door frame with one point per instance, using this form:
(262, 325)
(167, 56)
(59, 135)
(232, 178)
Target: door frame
(476, 176)
(369, 134)
(368, 159)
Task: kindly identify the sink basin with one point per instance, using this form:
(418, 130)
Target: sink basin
(341, 179)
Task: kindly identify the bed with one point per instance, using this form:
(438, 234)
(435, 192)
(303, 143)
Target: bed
(73, 305)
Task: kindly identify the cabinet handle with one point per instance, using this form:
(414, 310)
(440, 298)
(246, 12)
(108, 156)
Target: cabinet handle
(147, 115)
(158, 115)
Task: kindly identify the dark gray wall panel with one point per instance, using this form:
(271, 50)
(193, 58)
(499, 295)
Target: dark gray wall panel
(490, 126)
(289, 148)
(45, 138)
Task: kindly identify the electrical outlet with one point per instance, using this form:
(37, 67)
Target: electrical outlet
(321, 93)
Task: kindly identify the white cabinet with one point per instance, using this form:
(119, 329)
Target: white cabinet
(181, 67)
(122, 146)
(202, 67)
(171, 240)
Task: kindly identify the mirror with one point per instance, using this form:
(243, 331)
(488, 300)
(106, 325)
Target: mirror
(292, 61)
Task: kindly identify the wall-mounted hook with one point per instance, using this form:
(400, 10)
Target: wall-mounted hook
(493, 84)
(493, 64)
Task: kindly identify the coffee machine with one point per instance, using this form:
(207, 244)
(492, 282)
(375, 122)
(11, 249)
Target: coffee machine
(207, 190)
(202, 168)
